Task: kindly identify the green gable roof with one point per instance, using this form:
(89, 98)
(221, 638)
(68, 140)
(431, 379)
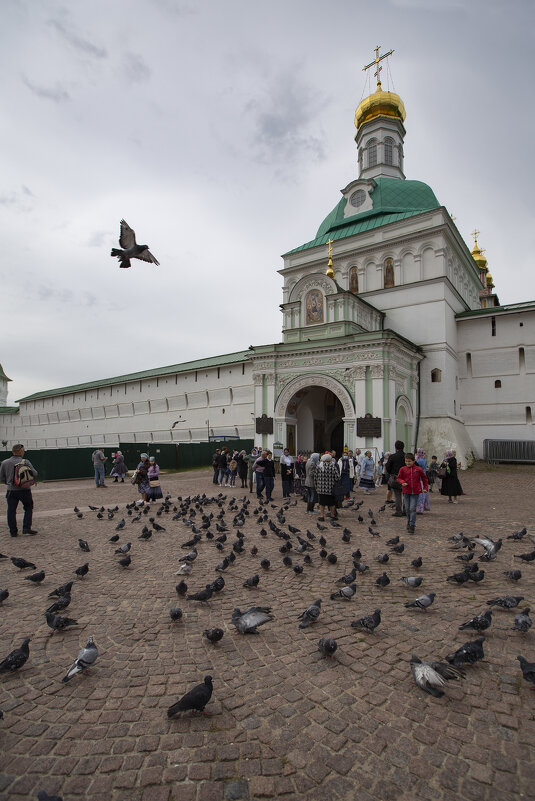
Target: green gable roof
(158, 372)
(9, 409)
(393, 199)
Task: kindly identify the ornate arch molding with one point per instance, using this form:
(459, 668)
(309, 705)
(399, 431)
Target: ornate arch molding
(402, 402)
(314, 380)
(314, 281)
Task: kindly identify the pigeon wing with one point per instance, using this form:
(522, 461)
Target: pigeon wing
(146, 255)
(127, 239)
(428, 679)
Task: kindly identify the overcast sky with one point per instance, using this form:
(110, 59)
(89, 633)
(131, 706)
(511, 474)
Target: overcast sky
(222, 131)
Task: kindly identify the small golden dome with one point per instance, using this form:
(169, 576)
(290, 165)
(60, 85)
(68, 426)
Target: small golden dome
(479, 258)
(489, 280)
(380, 104)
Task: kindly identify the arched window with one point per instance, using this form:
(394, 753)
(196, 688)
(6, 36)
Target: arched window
(497, 384)
(372, 153)
(388, 145)
(436, 376)
(388, 273)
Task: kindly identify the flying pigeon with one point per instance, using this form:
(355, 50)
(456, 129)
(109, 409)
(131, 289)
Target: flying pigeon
(131, 250)
(86, 657)
(248, 621)
(196, 699)
(432, 676)
(17, 658)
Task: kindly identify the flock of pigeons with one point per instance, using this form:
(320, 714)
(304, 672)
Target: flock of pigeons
(217, 522)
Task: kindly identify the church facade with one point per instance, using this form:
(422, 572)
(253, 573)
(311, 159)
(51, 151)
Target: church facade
(391, 330)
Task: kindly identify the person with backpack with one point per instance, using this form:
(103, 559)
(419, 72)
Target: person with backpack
(19, 475)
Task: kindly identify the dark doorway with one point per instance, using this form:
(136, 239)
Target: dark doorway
(337, 438)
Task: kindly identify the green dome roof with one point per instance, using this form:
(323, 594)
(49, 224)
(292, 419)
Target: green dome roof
(393, 199)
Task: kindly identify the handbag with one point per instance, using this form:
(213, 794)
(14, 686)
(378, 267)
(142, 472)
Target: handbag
(133, 480)
(393, 483)
(154, 483)
(442, 472)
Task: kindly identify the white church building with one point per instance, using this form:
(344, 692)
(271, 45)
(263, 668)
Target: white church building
(391, 330)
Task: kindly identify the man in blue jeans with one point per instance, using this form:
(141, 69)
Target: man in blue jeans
(98, 459)
(15, 494)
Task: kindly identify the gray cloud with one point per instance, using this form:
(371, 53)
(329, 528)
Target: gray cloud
(17, 199)
(78, 42)
(281, 121)
(135, 69)
(57, 93)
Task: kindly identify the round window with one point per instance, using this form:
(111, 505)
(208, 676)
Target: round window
(357, 198)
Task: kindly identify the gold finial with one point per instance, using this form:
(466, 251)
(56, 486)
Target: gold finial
(376, 61)
(475, 234)
(330, 270)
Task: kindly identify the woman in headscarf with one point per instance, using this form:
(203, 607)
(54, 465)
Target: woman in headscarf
(367, 473)
(242, 468)
(310, 473)
(119, 469)
(287, 473)
(142, 479)
(326, 476)
(450, 483)
(423, 497)
(346, 467)
(153, 474)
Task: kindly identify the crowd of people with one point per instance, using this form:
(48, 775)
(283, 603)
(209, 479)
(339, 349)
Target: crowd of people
(325, 481)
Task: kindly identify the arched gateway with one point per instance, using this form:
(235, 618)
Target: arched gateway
(314, 413)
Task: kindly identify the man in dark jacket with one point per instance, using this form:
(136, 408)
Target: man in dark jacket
(394, 464)
(15, 494)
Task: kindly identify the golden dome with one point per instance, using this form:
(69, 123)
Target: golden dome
(380, 104)
(479, 258)
(489, 280)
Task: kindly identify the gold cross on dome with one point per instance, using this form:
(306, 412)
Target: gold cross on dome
(475, 234)
(378, 58)
(330, 243)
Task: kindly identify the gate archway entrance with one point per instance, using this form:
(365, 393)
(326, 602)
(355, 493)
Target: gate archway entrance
(315, 413)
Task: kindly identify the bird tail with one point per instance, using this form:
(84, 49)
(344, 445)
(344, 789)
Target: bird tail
(73, 670)
(174, 709)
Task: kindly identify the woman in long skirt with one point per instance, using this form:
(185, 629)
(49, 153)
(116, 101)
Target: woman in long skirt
(367, 473)
(155, 491)
(119, 469)
(451, 485)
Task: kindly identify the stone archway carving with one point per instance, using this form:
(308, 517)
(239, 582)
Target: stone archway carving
(403, 402)
(314, 380)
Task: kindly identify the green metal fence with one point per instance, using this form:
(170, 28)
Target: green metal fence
(55, 464)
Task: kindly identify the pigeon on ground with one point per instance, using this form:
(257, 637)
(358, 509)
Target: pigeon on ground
(3, 595)
(184, 570)
(327, 646)
(528, 670)
(181, 588)
(213, 635)
(265, 563)
(513, 575)
(203, 595)
(63, 590)
(345, 592)
(382, 558)
(131, 250)
(382, 581)
(36, 577)
(16, 659)
(218, 584)
(417, 563)
(115, 538)
(432, 676)
(369, 622)
(310, 615)
(196, 699)
(459, 578)
(253, 581)
(526, 557)
(398, 548)
(423, 602)
(84, 546)
(465, 557)
(469, 653)
(124, 548)
(62, 603)
(412, 581)
(478, 623)
(126, 561)
(121, 524)
(175, 614)
(393, 541)
(247, 622)
(523, 622)
(506, 601)
(348, 578)
(22, 564)
(82, 571)
(87, 656)
(145, 535)
(58, 623)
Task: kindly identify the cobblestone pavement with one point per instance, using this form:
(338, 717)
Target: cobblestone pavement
(283, 722)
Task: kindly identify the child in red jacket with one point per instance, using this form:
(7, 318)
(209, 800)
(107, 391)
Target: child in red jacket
(413, 480)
